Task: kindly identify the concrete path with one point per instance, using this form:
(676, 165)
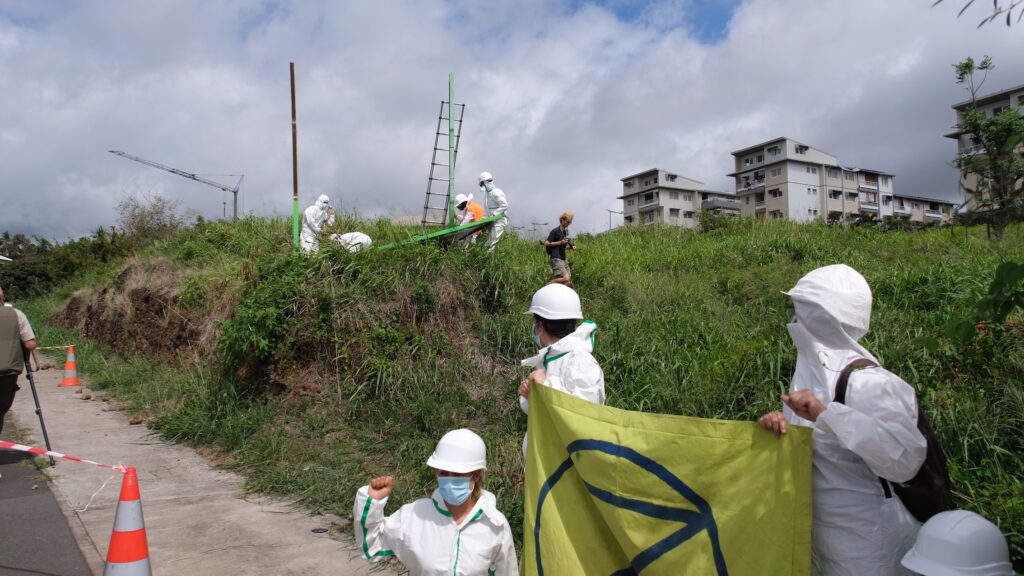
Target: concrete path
(36, 538)
(197, 518)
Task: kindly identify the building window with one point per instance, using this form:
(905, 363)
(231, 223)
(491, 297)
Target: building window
(833, 173)
(687, 196)
(647, 182)
(916, 206)
(775, 214)
(688, 215)
(776, 171)
(775, 193)
(848, 176)
(629, 219)
(671, 177)
(812, 169)
(746, 199)
(629, 184)
(673, 212)
(649, 217)
(812, 191)
(655, 179)
(774, 151)
(1020, 100)
(884, 180)
(760, 158)
(800, 149)
(835, 194)
(812, 212)
(629, 202)
(673, 195)
(997, 110)
(851, 196)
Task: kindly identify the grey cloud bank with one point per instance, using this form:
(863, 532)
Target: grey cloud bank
(562, 99)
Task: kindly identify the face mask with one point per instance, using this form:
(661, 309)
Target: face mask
(323, 207)
(454, 489)
(536, 337)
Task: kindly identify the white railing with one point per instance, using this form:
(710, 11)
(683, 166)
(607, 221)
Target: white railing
(933, 213)
(751, 186)
(646, 203)
(758, 205)
(869, 185)
(868, 205)
(901, 209)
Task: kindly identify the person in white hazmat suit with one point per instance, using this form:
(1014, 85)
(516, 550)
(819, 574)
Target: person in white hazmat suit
(565, 361)
(313, 220)
(497, 205)
(860, 526)
(458, 531)
(353, 241)
(959, 543)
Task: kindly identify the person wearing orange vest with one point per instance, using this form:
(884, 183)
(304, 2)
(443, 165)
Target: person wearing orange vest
(467, 211)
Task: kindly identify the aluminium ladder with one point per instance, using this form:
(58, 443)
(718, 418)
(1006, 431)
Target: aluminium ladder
(437, 205)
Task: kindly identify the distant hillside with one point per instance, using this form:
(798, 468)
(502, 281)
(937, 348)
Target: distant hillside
(312, 374)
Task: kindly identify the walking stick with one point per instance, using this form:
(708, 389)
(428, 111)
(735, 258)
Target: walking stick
(35, 396)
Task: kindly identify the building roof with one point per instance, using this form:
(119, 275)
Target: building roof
(640, 174)
(989, 98)
(774, 140)
(868, 171)
(925, 199)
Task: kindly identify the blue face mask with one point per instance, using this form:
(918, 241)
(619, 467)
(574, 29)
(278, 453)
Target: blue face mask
(454, 489)
(536, 337)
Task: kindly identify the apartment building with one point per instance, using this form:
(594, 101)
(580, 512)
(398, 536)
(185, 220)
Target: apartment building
(656, 196)
(783, 178)
(990, 105)
(923, 210)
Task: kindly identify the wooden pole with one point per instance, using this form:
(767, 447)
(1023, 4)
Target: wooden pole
(295, 166)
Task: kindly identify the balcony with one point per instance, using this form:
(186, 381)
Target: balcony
(869, 206)
(759, 207)
(649, 203)
(868, 186)
(901, 210)
(750, 186)
(933, 214)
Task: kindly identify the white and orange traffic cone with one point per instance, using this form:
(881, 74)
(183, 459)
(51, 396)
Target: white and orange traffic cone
(128, 554)
(70, 370)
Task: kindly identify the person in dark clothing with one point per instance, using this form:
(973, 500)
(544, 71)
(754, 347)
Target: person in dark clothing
(556, 244)
(15, 335)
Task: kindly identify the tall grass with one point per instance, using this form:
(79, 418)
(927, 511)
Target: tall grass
(329, 370)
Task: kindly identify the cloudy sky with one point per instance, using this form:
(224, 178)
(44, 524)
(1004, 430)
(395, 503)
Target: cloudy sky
(564, 97)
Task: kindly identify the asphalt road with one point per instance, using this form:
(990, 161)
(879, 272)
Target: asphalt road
(35, 539)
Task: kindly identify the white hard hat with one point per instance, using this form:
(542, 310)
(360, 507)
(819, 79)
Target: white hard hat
(556, 302)
(485, 177)
(460, 451)
(959, 543)
(460, 198)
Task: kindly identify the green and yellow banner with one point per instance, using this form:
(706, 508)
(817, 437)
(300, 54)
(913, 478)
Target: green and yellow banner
(614, 492)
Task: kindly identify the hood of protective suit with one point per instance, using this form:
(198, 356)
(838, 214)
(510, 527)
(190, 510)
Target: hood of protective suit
(581, 339)
(833, 306)
(323, 199)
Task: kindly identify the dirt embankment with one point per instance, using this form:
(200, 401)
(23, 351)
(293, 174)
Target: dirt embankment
(139, 311)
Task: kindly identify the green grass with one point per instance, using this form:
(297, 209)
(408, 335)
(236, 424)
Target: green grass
(328, 370)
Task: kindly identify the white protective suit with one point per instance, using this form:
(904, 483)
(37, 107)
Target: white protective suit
(497, 204)
(857, 530)
(570, 367)
(313, 220)
(353, 241)
(423, 536)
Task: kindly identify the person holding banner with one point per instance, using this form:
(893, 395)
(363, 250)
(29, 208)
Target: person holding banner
(862, 444)
(457, 531)
(565, 361)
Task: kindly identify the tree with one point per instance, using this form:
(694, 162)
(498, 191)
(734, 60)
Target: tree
(993, 159)
(998, 9)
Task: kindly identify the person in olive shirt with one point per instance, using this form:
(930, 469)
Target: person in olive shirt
(15, 334)
(558, 240)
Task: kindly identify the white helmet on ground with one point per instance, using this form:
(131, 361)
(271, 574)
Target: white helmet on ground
(959, 543)
(556, 302)
(485, 177)
(460, 198)
(460, 451)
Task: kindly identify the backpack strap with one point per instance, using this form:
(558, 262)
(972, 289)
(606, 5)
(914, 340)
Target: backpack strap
(844, 377)
(840, 396)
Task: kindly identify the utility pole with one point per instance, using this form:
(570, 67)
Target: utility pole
(610, 212)
(295, 166)
(533, 229)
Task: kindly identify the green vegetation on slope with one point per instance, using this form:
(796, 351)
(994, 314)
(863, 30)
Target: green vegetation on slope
(320, 372)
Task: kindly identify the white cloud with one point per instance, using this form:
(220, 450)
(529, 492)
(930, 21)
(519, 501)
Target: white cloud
(562, 99)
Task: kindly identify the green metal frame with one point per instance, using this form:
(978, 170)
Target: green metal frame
(467, 229)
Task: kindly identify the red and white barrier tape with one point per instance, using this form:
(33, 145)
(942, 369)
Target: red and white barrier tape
(15, 446)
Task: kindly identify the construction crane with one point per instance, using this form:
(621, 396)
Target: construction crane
(190, 176)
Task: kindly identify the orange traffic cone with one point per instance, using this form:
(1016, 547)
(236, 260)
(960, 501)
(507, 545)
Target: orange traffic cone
(128, 554)
(70, 370)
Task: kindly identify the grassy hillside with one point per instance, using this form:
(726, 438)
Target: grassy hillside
(312, 374)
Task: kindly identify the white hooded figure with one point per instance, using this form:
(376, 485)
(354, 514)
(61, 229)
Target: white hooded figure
(353, 241)
(860, 526)
(313, 220)
(497, 205)
(565, 362)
